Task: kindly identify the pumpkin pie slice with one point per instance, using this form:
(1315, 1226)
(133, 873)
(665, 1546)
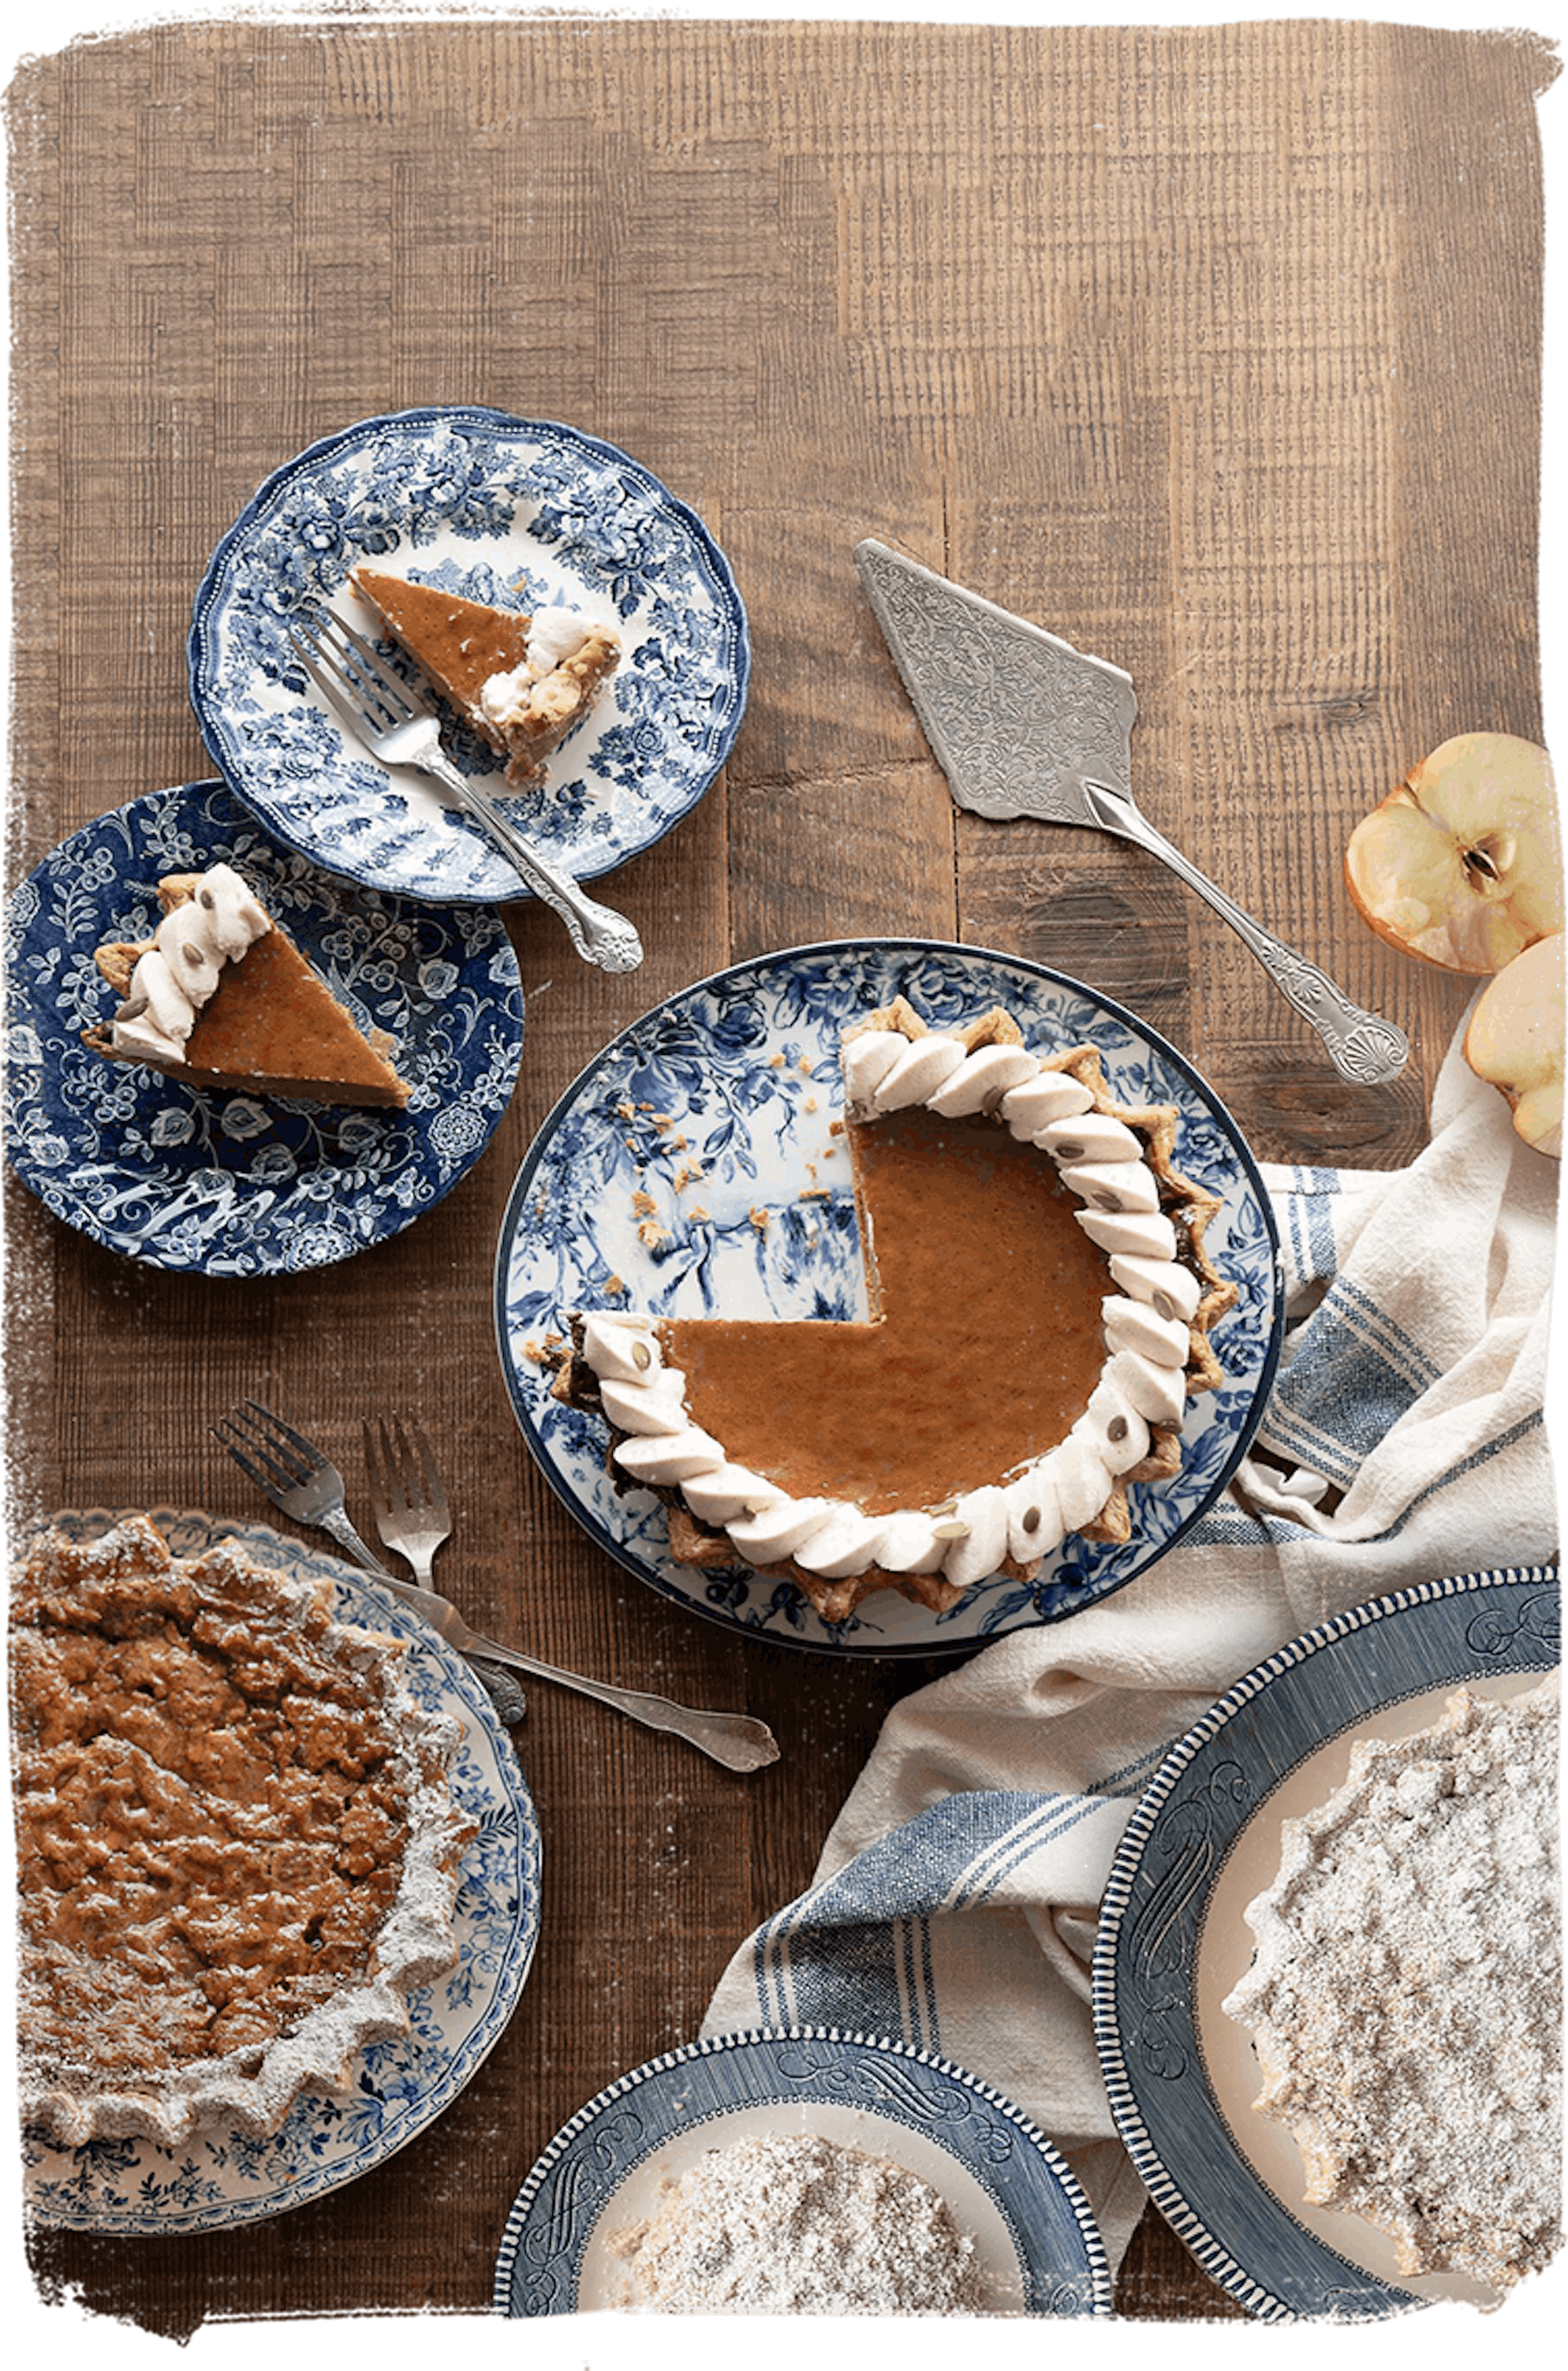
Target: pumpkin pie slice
(221, 996)
(521, 679)
(1040, 1306)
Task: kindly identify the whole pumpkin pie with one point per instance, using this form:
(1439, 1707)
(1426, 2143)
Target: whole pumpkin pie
(236, 1843)
(1040, 1304)
(522, 679)
(221, 996)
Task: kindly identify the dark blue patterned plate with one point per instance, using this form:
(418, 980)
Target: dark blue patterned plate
(693, 1167)
(518, 513)
(214, 2179)
(1173, 1940)
(1006, 2184)
(223, 1183)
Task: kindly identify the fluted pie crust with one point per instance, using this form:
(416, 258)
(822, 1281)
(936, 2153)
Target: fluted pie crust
(237, 1846)
(938, 1258)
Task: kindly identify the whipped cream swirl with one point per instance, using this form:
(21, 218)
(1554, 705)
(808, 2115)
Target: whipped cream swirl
(555, 634)
(1146, 1325)
(178, 973)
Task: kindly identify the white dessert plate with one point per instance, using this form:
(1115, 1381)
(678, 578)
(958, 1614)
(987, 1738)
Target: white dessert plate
(214, 2179)
(691, 1168)
(1005, 2183)
(517, 513)
(1173, 1938)
(222, 1183)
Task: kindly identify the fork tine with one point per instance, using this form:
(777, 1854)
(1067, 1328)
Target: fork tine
(283, 1452)
(435, 1490)
(337, 649)
(378, 1463)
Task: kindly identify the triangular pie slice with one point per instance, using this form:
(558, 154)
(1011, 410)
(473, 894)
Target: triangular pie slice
(255, 1016)
(521, 679)
(1040, 1304)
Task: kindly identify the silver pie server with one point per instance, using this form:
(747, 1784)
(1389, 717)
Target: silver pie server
(1022, 723)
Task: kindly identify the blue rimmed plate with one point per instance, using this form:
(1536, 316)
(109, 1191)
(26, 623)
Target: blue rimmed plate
(211, 2180)
(221, 1183)
(518, 513)
(1006, 2184)
(693, 1167)
(1173, 1940)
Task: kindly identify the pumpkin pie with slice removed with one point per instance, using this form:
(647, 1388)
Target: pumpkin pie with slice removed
(221, 996)
(521, 680)
(1041, 1304)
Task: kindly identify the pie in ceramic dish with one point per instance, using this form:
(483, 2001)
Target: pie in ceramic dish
(221, 996)
(237, 1847)
(521, 679)
(1041, 1306)
(1404, 1998)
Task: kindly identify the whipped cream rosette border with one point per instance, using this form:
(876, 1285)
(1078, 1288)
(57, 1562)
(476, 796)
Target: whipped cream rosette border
(1142, 1213)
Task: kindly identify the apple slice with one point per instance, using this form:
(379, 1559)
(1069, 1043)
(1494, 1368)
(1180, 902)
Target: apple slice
(1462, 864)
(1515, 1040)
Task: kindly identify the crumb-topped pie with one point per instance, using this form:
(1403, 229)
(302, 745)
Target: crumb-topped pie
(237, 1846)
(220, 997)
(1041, 1303)
(1405, 1994)
(523, 679)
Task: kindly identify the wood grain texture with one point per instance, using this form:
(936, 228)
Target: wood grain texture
(1216, 351)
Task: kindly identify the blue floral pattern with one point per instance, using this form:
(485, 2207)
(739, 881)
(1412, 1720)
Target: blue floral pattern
(214, 2179)
(693, 1167)
(225, 1184)
(1035, 2236)
(512, 512)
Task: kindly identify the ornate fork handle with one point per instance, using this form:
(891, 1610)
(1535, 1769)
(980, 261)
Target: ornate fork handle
(733, 1739)
(600, 935)
(1363, 1046)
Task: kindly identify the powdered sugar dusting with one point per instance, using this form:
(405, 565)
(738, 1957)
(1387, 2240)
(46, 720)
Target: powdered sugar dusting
(1405, 1994)
(794, 2222)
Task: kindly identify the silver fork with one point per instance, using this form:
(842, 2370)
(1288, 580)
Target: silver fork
(398, 724)
(412, 1517)
(298, 1478)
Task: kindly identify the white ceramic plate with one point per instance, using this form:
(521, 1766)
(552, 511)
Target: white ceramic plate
(215, 1182)
(1173, 1938)
(214, 2179)
(1003, 2180)
(481, 503)
(740, 1076)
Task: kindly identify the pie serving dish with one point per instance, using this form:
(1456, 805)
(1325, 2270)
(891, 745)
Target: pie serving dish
(214, 2179)
(1173, 1938)
(738, 1077)
(1006, 2184)
(227, 1184)
(480, 503)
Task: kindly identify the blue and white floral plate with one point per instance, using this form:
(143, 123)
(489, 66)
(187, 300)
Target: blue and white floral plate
(212, 2180)
(1006, 2186)
(518, 513)
(1173, 1938)
(223, 1182)
(693, 1168)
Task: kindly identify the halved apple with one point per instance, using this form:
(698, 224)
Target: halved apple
(1461, 866)
(1515, 1040)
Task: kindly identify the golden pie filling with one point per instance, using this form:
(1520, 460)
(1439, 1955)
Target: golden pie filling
(1040, 1306)
(237, 1845)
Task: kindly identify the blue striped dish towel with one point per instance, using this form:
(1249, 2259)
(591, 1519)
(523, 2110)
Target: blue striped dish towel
(955, 1901)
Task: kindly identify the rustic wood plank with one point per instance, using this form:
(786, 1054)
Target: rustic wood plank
(1214, 350)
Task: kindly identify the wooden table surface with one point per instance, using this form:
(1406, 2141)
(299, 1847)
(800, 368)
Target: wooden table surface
(1217, 351)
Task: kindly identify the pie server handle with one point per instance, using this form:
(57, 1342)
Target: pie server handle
(1363, 1046)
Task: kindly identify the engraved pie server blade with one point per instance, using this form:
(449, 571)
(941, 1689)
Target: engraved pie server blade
(1022, 723)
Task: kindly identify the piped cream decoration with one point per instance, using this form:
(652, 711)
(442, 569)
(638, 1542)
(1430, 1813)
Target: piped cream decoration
(512, 694)
(179, 972)
(1143, 1383)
